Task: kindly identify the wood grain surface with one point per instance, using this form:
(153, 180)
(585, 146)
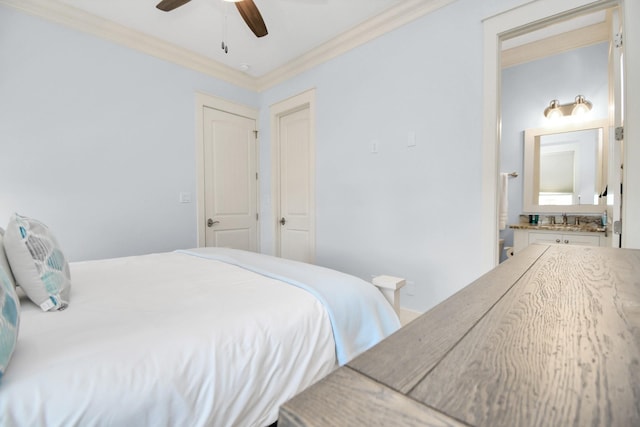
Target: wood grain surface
(557, 350)
(436, 332)
(347, 398)
(549, 338)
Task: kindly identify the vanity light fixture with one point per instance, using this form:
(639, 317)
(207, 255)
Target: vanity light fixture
(578, 107)
(553, 110)
(581, 106)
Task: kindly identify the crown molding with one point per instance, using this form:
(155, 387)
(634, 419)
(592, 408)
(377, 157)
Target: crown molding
(582, 37)
(83, 21)
(72, 17)
(383, 23)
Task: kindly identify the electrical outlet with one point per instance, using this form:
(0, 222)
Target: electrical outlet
(411, 287)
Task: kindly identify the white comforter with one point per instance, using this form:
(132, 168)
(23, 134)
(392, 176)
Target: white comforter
(166, 339)
(359, 314)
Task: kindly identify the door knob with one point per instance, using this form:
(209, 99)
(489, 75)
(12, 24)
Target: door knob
(283, 221)
(211, 223)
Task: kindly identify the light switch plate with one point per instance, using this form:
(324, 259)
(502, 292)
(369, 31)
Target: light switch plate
(185, 197)
(411, 139)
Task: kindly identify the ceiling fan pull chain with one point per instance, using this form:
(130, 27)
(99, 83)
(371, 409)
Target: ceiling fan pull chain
(224, 45)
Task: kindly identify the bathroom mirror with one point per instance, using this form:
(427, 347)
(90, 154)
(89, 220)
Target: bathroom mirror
(565, 168)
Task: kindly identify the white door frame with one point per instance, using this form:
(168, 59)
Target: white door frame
(305, 99)
(203, 100)
(540, 12)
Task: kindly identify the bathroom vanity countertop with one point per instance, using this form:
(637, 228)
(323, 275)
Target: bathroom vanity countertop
(582, 228)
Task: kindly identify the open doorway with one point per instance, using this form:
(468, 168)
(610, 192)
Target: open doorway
(573, 58)
(516, 22)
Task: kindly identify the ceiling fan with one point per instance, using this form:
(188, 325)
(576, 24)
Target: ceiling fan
(247, 8)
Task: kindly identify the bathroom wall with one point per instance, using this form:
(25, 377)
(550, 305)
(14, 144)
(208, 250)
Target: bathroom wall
(527, 90)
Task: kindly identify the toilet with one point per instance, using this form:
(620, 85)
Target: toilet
(507, 251)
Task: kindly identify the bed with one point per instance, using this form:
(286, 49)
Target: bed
(201, 337)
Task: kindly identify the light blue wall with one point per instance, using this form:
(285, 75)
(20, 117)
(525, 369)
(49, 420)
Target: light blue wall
(412, 212)
(98, 140)
(527, 90)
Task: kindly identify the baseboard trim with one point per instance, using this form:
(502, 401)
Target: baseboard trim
(407, 315)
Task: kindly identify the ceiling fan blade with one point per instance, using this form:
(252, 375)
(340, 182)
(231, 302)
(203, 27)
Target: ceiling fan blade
(252, 17)
(169, 5)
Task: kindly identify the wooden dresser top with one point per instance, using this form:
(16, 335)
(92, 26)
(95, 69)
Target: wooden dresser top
(549, 338)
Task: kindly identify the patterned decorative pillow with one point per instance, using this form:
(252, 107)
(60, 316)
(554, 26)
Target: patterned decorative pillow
(4, 262)
(37, 262)
(9, 320)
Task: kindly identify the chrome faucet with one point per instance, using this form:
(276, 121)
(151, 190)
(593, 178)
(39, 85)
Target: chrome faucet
(564, 219)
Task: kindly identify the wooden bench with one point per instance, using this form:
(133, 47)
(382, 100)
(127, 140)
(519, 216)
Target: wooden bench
(549, 338)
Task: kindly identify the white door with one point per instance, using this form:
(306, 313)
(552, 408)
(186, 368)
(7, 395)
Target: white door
(293, 145)
(295, 214)
(230, 180)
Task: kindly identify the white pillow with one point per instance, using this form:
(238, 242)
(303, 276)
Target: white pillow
(9, 320)
(37, 262)
(4, 262)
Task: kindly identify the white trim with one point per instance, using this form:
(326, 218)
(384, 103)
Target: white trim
(289, 105)
(203, 100)
(530, 175)
(534, 14)
(395, 17)
(631, 201)
(83, 21)
(78, 19)
(586, 36)
(407, 315)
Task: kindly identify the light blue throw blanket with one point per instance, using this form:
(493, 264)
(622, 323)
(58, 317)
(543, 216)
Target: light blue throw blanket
(360, 315)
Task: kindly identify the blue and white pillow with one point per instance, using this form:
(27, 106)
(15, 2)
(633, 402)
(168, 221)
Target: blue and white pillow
(37, 262)
(4, 262)
(9, 320)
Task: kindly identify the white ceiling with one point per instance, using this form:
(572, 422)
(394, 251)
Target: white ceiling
(295, 26)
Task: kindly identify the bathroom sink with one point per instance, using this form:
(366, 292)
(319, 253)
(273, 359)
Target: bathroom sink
(588, 228)
(569, 227)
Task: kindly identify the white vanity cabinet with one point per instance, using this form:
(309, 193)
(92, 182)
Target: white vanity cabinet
(565, 239)
(525, 237)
